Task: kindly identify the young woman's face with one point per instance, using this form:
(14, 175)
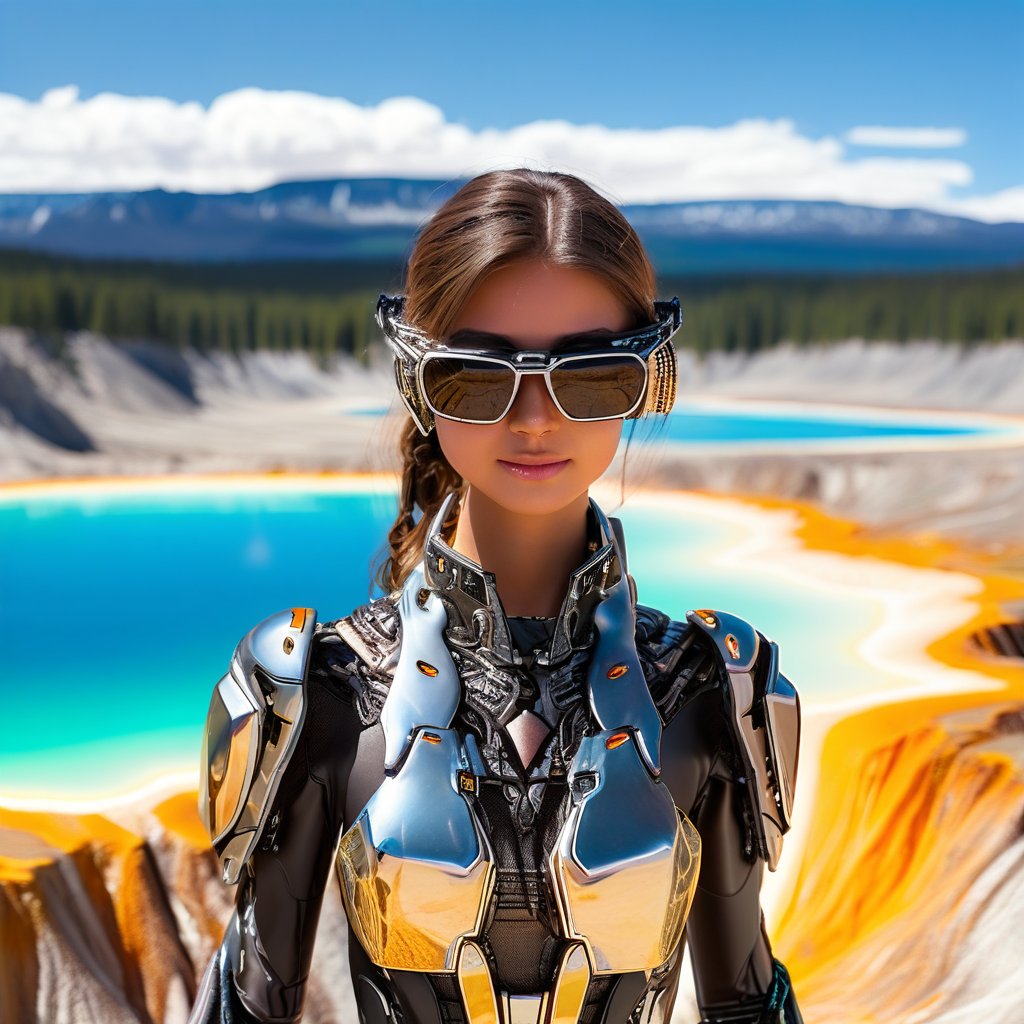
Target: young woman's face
(532, 304)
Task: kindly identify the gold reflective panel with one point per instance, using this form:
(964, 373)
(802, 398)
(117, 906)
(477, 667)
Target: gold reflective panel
(571, 983)
(618, 912)
(408, 915)
(229, 755)
(477, 987)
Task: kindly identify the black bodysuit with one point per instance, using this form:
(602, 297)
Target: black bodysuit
(261, 969)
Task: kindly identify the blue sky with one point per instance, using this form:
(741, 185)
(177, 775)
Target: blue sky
(824, 67)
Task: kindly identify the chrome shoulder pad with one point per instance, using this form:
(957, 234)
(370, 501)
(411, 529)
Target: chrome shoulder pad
(765, 714)
(252, 726)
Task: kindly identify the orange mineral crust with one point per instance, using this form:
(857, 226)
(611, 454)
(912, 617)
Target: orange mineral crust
(1000, 573)
(95, 915)
(909, 880)
(179, 815)
(909, 889)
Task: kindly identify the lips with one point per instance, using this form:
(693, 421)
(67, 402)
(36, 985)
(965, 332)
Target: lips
(541, 468)
(534, 459)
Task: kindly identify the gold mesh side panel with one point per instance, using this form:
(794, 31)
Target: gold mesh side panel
(662, 375)
(408, 915)
(477, 987)
(571, 985)
(620, 925)
(405, 378)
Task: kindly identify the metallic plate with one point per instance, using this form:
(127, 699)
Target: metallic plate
(267, 673)
(230, 747)
(622, 699)
(622, 837)
(571, 983)
(279, 644)
(470, 590)
(477, 765)
(740, 654)
(767, 724)
(415, 697)
(478, 996)
(782, 713)
(415, 868)
(523, 1009)
(586, 583)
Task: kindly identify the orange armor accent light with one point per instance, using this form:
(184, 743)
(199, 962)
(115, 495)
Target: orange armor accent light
(299, 617)
(616, 740)
(426, 669)
(618, 671)
(733, 646)
(708, 616)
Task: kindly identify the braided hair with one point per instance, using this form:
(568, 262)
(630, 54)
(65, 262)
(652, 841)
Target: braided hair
(427, 478)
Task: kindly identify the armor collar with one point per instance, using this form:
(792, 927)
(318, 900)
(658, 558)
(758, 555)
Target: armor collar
(475, 613)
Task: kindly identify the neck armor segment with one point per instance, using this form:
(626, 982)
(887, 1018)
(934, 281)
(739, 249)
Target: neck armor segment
(475, 613)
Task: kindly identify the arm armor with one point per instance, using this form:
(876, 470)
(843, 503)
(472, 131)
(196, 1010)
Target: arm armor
(252, 726)
(764, 711)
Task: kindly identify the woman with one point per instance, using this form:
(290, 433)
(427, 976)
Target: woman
(535, 785)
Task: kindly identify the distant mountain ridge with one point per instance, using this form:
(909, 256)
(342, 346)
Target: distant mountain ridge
(376, 219)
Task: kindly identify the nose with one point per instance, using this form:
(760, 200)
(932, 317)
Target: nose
(533, 411)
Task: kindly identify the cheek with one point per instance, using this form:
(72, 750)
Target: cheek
(600, 441)
(464, 445)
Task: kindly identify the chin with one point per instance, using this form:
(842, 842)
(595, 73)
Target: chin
(531, 498)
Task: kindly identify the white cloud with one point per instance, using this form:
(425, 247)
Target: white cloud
(906, 138)
(251, 138)
(1006, 205)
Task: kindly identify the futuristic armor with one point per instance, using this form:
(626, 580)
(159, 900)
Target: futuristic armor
(533, 813)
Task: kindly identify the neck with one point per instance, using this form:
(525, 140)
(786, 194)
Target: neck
(531, 556)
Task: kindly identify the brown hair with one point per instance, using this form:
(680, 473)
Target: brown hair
(494, 220)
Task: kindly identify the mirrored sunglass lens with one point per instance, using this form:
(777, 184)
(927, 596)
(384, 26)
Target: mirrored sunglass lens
(598, 388)
(468, 389)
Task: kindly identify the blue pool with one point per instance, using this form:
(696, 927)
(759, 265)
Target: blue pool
(122, 606)
(714, 425)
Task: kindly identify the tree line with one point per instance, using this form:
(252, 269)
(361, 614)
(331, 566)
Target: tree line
(325, 308)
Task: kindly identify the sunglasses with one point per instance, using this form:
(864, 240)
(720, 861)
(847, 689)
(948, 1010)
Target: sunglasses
(608, 376)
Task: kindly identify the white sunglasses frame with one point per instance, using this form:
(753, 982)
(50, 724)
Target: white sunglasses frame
(651, 345)
(551, 361)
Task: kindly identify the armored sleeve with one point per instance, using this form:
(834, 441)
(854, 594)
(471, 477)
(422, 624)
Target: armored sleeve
(260, 971)
(737, 979)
